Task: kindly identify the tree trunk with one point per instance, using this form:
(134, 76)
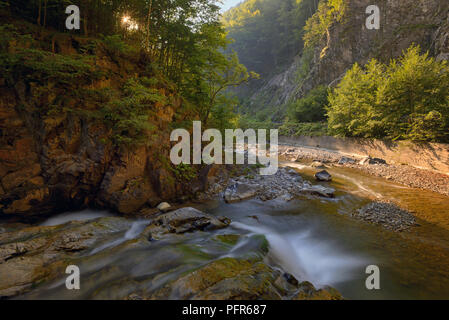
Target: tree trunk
(45, 13)
(39, 13)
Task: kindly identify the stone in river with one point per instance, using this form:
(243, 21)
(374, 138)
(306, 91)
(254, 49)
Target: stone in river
(164, 206)
(345, 160)
(323, 176)
(319, 191)
(239, 192)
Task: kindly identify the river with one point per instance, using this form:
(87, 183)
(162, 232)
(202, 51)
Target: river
(314, 239)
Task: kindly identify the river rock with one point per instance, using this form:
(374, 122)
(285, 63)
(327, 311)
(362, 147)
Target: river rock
(346, 160)
(239, 191)
(319, 190)
(386, 214)
(183, 220)
(323, 176)
(164, 206)
(377, 161)
(239, 278)
(33, 254)
(308, 292)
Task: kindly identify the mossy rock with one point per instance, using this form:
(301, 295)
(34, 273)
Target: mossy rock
(230, 239)
(224, 279)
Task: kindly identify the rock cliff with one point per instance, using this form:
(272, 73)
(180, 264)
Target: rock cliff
(402, 23)
(64, 159)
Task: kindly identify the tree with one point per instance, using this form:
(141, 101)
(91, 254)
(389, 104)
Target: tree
(407, 99)
(311, 108)
(224, 72)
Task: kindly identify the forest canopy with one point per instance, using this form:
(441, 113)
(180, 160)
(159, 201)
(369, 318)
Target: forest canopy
(179, 42)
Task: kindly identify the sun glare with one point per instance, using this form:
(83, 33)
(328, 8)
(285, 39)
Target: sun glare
(129, 24)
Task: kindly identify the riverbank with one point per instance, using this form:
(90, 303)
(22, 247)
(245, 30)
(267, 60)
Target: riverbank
(402, 174)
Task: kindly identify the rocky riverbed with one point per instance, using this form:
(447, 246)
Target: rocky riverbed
(403, 174)
(36, 257)
(189, 259)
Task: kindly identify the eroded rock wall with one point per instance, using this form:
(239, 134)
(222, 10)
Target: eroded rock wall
(66, 161)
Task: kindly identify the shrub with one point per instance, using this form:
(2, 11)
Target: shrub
(407, 99)
(311, 108)
(303, 129)
(128, 116)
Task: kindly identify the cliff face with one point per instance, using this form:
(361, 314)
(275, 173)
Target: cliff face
(64, 160)
(402, 23)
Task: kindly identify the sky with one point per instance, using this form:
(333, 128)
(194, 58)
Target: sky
(229, 3)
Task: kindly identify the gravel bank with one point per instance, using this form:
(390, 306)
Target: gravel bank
(403, 174)
(386, 214)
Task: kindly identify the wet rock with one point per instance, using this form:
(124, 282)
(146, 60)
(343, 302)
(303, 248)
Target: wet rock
(241, 279)
(34, 254)
(230, 239)
(308, 292)
(319, 190)
(239, 191)
(290, 279)
(323, 176)
(163, 206)
(181, 221)
(225, 279)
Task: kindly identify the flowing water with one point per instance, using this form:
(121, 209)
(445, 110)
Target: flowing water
(312, 238)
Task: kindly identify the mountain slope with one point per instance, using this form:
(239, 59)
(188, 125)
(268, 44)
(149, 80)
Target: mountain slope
(345, 40)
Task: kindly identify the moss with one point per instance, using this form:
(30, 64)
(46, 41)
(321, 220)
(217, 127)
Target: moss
(263, 244)
(230, 239)
(192, 251)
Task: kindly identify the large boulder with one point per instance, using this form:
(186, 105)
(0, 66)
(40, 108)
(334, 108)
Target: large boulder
(181, 221)
(239, 191)
(225, 279)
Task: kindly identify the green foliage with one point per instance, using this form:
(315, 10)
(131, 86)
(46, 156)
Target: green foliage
(223, 116)
(407, 99)
(267, 33)
(329, 11)
(311, 108)
(305, 65)
(247, 122)
(128, 116)
(303, 129)
(174, 52)
(184, 172)
(116, 47)
(36, 65)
